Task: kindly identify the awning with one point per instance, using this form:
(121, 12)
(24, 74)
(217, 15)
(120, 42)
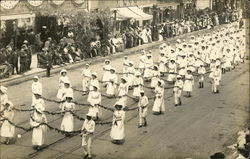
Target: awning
(17, 16)
(131, 12)
(138, 11)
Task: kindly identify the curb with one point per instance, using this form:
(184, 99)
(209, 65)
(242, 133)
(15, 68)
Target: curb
(95, 60)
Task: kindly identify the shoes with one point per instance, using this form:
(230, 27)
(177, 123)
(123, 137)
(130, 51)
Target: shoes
(139, 126)
(176, 105)
(145, 124)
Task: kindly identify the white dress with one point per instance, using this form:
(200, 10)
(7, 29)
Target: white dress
(68, 120)
(86, 76)
(137, 83)
(162, 64)
(172, 72)
(159, 100)
(188, 83)
(122, 92)
(3, 100)
(36, 88)
(148, 68)
(111, 87)
(94, 82)
(155, 78)
(94, 98)
(62, 79)
(106, 72)
(131, 76)
(8, 130)
(38, 133)
(118, 130)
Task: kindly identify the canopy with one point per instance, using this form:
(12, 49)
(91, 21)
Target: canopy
(131, 12)
(138, 11)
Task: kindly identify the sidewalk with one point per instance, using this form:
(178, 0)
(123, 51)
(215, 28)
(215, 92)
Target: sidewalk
(16, 79)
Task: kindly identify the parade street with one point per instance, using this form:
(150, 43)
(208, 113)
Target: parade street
(205, 124)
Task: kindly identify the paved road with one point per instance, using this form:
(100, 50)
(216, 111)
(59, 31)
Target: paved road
(203, 125)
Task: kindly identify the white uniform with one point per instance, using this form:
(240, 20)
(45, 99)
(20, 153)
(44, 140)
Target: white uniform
(112, 84)
(62, 79)
(94, 82)
(38, 132)
(87, 136)
(172, 70)
(201, 72)
(86, 76)
(162, 64)
(106, 72)
(188, 83)
(137, 83)
(143, 108)
(122, 92)
(36, 88)
(142, 61)
(155, 78)
(94, 98)
(68, 119)
(118, 128)
(148, 68)
(8, 130)
(159, 105)
(177, 90)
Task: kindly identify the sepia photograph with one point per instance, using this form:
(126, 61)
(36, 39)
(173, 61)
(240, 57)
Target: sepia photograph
(124, 79)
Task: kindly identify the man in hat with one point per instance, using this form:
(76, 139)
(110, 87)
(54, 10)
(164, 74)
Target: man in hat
(48, 58)
(88, 129)
(178, 86)
(29, 54)
(36, 88)
(143, 108)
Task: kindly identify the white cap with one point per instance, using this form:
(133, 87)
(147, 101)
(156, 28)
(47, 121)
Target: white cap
(63, 70)
(94, 73)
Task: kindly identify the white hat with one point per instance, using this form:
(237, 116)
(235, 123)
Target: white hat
(69, 95)
(137, 73)
(3, 89)
(178, 76)
(89, 114)
(106, 60)
(142, 91)
(94, 73)
(25, 42)
(149, 55)
(178, 40)
(162, 83)
(63, 70)
(36, 77)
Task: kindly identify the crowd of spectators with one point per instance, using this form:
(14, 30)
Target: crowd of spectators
(60, 51)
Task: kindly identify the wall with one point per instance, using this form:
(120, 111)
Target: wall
(202, 4)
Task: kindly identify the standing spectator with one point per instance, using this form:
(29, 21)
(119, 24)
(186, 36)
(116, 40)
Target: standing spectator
(14, 61)
(23, 59)
(48, 63)
(29, 54)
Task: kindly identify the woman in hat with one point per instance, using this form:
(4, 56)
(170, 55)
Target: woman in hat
(62, 79)
(106, 72)
(191, 62)
(67, 90)
(94, 99)
(36, 87)
(117, 133)
(159, 105)
(123, 91)
(88, 129)
(178, 86)
(125, 65)
(149, 63)
(172, 71)
(7, 129)
(143, 109)
(37, 118)
(137, 84)
(94, 81)
(131, 74)
(143, 58)
(188, 83)
(155, 76)
(3, 96)
(162, 63)
(86, 76)
(112, 83)
(68, 120)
